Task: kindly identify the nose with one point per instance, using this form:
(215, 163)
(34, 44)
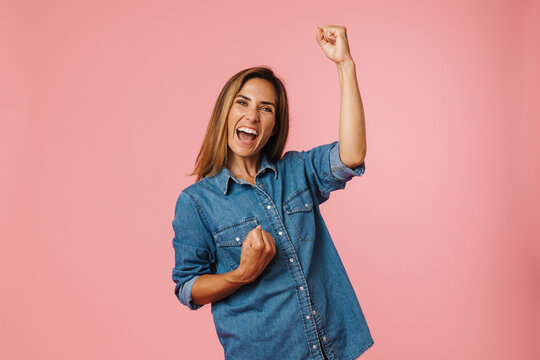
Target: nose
(252, 113)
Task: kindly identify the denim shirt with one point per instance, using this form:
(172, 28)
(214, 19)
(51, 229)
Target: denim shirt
(303, 300)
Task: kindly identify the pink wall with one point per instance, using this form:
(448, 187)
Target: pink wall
(103, 105)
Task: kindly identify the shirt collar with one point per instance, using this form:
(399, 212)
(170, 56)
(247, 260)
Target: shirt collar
(225, 174)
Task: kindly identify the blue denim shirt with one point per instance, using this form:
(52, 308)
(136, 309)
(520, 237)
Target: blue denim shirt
(304, 299)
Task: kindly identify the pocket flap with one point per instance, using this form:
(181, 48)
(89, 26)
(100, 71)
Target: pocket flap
(235, 233)
(300, 201)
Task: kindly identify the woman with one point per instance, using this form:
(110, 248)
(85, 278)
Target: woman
(249, 236)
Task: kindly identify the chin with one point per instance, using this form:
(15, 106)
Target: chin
(246, 153)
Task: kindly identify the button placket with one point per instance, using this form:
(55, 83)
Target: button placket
(294, 266)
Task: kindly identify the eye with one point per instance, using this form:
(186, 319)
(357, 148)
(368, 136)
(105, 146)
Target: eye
(241, 102)
(267, 109)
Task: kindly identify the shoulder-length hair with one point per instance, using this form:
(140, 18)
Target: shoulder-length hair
(213, 154)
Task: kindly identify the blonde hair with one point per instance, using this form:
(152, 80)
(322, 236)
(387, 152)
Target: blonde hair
(213, 154)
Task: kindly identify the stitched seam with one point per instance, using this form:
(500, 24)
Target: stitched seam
(219, 184)
(363, 350)
(294, 196)
(331, 180)
(324, 330)
(200, 210)
(178, 243)
(293, 213)
(300, 235)
(238, 223)
(232, 246)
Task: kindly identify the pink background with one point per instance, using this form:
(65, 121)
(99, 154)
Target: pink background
(103, 106)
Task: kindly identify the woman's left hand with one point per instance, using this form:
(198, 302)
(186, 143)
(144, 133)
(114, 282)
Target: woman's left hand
(333, 41)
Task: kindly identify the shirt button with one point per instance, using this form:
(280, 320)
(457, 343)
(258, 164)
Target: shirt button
(237, 239)
(268, 207)
(260, 185)
(324, 338)
(314, 346)
(306, 205)
(314, 312)
(280, 233)
(291, 259)
(307, 317)
(302, 288)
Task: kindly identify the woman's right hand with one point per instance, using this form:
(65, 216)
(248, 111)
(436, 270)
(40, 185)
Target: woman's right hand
(258, 249)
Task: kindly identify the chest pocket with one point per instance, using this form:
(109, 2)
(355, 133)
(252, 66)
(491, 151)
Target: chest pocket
(299, 209)
(230, 238)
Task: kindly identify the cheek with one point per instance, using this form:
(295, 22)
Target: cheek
(272, 127)
(230, 125)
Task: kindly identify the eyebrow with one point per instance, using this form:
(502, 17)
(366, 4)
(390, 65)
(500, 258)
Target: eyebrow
(262, 102)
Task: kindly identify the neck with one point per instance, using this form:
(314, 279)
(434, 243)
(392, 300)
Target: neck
(242, 166)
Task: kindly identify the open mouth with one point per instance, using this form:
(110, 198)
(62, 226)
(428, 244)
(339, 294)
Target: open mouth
(246, 135)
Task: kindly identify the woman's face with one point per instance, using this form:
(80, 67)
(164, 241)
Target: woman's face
(253, 110)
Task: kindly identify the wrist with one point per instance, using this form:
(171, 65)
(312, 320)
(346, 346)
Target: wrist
(346, 70)
(348, 63)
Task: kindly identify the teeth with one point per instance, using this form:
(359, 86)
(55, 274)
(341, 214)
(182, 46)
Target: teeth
(248, 130)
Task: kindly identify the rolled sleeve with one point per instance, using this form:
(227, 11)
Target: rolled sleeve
(324, 170)
(339, 170)
(183, 293)
(193, 248)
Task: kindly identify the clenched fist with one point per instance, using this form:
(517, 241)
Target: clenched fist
(257, 250)
(333, 41)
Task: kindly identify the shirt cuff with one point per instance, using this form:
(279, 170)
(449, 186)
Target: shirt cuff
(184, 294)
(339, 170)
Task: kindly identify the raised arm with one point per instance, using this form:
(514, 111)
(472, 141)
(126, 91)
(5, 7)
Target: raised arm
(352, 131)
